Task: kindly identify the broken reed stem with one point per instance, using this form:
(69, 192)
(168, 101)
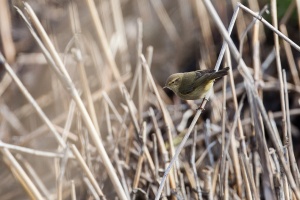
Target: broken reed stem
(73, 189)
(140, 160)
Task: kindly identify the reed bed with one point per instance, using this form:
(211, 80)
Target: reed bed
(83, 114)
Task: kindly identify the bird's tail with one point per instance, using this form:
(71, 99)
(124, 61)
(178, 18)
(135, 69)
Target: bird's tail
(220, 73)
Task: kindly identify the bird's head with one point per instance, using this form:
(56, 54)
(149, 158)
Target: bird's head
(173, 82)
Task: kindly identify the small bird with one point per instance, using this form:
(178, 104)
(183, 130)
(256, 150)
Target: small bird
(193, 85)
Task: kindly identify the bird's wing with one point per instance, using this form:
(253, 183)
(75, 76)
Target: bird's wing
(192, 80)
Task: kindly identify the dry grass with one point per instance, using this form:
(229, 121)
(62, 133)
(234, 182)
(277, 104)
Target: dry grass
(83, 114)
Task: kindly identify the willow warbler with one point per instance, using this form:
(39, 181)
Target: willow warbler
(193, 85)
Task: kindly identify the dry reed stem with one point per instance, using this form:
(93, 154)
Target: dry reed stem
(40, 185)
(132, 110)
(165, 20)
(5, 82)
(139, 47)
(20, 175)
(253, 5)
(149, 55)
(91, 188)
(85, 88)
(226, 186)
(250, 177)
(292, 159)
(279, 68)
(190, 177)
(122, 175)
(215, 179)
(12, 119)
(207, 134)
(27, 109)
(30, 151)
(204, 154)
(73, 189)
(112, 107)
(240, 131)
(298, 10)
(266, 23)
(103, 41)
(155, 156)
(167, 118)
(38, 132)
(85, 168)
(278, 183)
(198, 188)
(68, 123)
(256, 55)
(108, 122)
(141, 159)
(246, 180)
(231, 142)
(119, 26)
(208, 53)
(6, 32)
(290, 57)
(261, 144)
(60, 171)
(224, 114)
(240, 22)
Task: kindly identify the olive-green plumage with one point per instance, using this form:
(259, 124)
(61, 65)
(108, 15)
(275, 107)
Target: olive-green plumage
(193, 85)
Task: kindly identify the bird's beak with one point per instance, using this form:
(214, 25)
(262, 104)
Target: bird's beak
(165, 87)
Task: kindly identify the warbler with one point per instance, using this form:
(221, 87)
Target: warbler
(193, 85)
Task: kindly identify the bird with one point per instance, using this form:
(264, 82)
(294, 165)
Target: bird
(193, 85)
